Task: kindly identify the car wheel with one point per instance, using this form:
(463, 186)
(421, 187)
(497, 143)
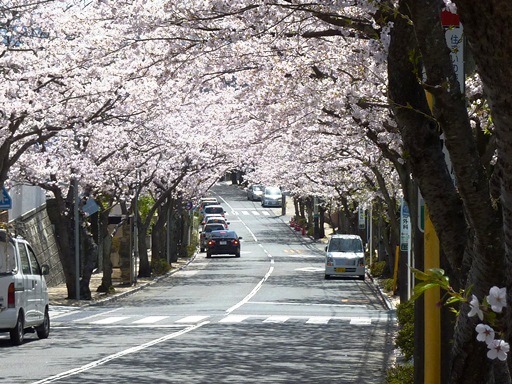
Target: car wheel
(361, 277)
(208, 255)
(201, 249)
(18, 331)
(237, 254)
(43, 331)
(327, 277)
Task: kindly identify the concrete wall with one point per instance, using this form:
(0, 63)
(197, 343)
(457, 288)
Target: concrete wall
(36, 228)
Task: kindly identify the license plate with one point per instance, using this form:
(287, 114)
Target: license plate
(222, 242)
(340, 269)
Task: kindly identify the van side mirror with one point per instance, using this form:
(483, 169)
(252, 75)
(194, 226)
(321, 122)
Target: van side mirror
(326, 248)
(45, 269)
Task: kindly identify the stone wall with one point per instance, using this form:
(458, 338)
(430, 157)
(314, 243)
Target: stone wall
(36, 228)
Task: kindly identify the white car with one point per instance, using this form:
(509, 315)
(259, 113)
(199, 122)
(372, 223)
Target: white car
(23, 291)
(272, 197)
(345, 256)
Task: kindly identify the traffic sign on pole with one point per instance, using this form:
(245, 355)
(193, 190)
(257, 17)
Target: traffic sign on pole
(5, 199)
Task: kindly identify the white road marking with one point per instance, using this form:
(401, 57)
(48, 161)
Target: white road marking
(110, 320)
(192, 319)
(234, 318)
(276, 319)
(114, 356)
(360, 321)
(186, 273)
(150, 319)
(265, 213)
(255, 213)
(98, 314)
(246, 213)
(310, 269)
(318, 320)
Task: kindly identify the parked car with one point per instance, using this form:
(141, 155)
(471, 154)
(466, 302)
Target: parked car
(255, 192)
(272, 197)
(223, 242)
(345, 256)
(209, 216)
(205, 232)
(216, 208)
(205, 201)
(23, 292)
(216, 219)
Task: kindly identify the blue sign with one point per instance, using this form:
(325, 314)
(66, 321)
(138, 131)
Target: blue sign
(5, 199)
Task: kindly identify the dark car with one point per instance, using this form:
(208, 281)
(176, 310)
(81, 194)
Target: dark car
(224, 242)
(205, 234)
(255, 192)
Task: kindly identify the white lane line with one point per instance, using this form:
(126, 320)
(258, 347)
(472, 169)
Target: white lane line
(234, 318)
(150, 320)
(191, 319)
(110, 320)
(309, 304)
(276, 319)
(114, 356)
(255, 290)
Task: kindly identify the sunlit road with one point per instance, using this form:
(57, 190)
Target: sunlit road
(266, 317)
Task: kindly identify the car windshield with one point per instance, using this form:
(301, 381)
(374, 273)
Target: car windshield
(258, 187)
(273, 191)
(345, 245)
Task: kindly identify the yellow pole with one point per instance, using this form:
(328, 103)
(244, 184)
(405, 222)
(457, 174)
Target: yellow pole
(395, 270)
(432, 366)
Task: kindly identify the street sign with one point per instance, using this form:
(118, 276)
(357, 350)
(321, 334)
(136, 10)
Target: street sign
(5, 199)
(404, 227)
(362, 218)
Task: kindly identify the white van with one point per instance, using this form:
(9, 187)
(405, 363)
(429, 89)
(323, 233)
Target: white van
(345, 256)
(23, 291)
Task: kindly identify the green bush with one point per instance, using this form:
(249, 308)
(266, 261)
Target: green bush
(377, 268)
(388, 285)
(405, 337)
(160, 267)
(401, 374)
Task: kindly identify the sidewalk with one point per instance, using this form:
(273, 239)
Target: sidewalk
(58, 295)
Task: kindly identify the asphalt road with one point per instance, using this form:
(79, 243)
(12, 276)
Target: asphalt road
(266, 317)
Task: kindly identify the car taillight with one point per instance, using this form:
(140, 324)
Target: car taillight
(10, 296)
(235, 242)
(330, 261)
(211, 242)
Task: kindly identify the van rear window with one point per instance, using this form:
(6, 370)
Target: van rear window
(345, 245)
(7, 259)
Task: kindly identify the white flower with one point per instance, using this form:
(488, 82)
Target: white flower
(475, 308)
(485, 333)
(497, 298)
(498, 349)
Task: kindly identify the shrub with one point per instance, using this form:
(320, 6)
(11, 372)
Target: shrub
(388, 285)
(401, 374)
(377, 268)
(405, 337)
(160, 267)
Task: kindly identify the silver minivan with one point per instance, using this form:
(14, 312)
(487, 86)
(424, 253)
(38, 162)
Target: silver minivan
(345, 256)
(23, 292)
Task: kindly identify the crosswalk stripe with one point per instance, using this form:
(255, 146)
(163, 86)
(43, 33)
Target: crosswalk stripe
(360, 321)
(265, 213)
(245, 213)
(318, 320)
(110, 320)
(150, 319)
(234, 318)
(255, 213)
(192, 319)
(276, 319)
